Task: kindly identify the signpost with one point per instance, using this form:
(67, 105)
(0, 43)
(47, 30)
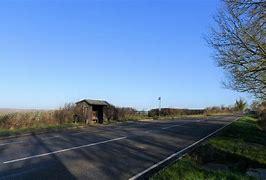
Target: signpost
(160, 103)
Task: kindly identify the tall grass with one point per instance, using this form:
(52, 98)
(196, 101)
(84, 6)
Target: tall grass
(174, 112)
(19, 120)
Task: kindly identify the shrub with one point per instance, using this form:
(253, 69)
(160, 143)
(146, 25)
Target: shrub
(65, 115)
(259, 109)
(174, 112)
(262, 119)
(25, 119)
(38, 118)
(109, 112)
(218, 110)
(79, 115)
(119, 113)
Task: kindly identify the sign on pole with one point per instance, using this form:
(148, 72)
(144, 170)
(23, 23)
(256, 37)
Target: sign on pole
(159, 98)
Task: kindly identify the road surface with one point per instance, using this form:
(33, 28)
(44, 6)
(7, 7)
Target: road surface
(118, 151)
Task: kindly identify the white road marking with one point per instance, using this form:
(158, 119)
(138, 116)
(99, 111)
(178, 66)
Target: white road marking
(74, 134)
(178, 153)
(174, 126)
(78, 133)
(19, 142)
(98, 130)
(64, 150)
(8, 143)
(181, 125)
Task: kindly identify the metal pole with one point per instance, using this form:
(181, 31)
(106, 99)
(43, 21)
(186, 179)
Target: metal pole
(160, 103)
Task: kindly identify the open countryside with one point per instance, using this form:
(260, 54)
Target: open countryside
(133, 90)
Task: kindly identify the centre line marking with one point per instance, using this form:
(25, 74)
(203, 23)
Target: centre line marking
(64, 150)
(174, 126)
(181, 125)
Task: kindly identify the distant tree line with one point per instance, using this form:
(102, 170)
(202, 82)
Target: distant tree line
(67, 114)
(174, 112)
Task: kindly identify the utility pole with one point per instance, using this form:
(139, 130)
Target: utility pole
(160, 104)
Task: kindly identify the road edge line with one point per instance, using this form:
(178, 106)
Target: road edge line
(141, 174)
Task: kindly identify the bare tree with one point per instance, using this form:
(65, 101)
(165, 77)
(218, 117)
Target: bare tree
(239, 41)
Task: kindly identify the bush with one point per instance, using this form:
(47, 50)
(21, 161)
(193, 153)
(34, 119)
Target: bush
(65, 115)
(110, 112)
(174, 112)
(38, 118)
(25, 119)
(259, 109)
(262, 119)
(119, 113)
(218, 110)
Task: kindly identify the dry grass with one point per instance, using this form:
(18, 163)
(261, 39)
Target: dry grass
(18, 120)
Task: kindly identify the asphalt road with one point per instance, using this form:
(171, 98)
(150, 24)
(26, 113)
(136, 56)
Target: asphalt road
(108, 152)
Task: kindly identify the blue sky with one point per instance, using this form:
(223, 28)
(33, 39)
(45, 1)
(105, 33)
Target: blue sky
(128, 52)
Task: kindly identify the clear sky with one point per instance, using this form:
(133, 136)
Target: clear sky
(128, 52)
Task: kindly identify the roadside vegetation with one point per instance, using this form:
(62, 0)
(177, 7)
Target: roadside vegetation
(258, 109)
(22, 122)
(18, 120)
(12, 123)
(238, 149)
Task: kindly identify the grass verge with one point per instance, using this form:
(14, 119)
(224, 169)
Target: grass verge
(237, 148)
